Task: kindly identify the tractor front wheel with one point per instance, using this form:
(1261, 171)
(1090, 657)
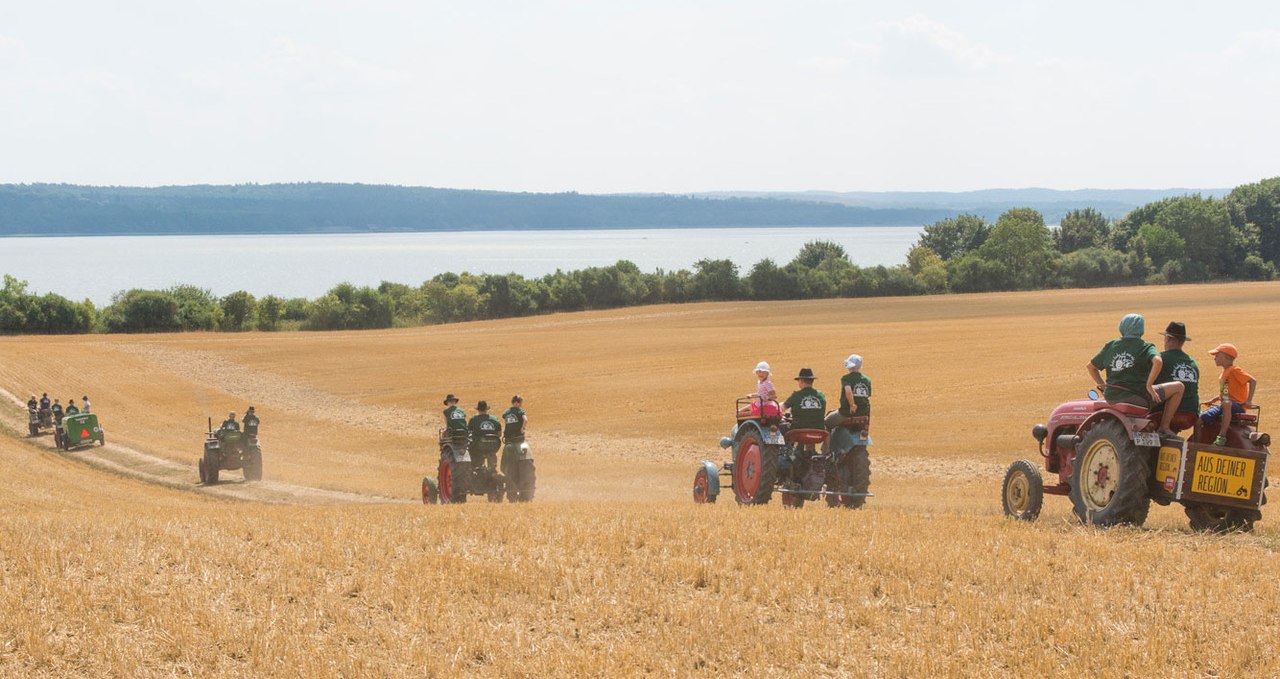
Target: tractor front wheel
(253, 466)
(211, 467)
(203, 475)
(1109, 478)
(430, 491)
(755, 470)
(498, 489)
(521, 485)
(1023, 494)
(34, 429)
(1218, 519)
(702, 487)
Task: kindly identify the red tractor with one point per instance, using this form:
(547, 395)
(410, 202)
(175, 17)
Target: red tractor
(1111, 463)
(771, 457)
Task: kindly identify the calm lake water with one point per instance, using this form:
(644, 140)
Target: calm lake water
(95, 267)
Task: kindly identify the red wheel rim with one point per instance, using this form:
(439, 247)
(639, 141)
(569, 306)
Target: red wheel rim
(700, 485)
(426, 492)
(446, 483)
(746, 469)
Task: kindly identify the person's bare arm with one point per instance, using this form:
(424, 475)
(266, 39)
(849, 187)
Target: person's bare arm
(1253, 385)
(1096, 375)
(1156, 364)
(848, 394)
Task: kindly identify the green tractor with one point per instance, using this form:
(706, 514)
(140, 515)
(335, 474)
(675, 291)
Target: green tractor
(230, 449)
(77, 430)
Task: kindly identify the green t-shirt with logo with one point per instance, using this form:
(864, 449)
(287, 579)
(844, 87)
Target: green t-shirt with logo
(861, 385)
(514, 419)
(1127, 361)
(808, 408)
(455, 420)
(251, 425)
(1180, 367)
(485, 425)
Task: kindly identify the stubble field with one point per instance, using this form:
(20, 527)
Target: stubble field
(114, 562)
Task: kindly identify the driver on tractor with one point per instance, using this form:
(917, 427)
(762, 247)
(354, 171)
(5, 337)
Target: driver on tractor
(486, 432)
(1132, 366)
(230, 423)
(32, 404)
(808, 408)
(455, 420)
(57, 411)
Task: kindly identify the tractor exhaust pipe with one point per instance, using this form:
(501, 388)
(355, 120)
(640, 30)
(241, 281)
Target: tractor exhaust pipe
(210, 425)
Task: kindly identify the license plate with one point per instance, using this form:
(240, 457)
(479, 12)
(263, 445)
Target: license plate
(773, 437)
(1149, 439)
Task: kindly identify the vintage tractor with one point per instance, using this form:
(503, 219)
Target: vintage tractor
(770, 457)
(457, 477)
(1112, 464)
(45, 417)
(227, 448)
(78, 430)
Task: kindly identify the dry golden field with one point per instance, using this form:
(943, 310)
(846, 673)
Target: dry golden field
(115, 563)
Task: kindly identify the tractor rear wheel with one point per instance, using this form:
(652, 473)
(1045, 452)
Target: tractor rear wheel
(1023, 494)
(1218, 519)
(453, 481)
(854, 476)
(33, 428)
(499, 488)
(253, 466)
(702, 488)
(1109, 478)
(211, 465)
(755, 470)
(524, 481)
(430, 491)
(200, 466)
(102, 440)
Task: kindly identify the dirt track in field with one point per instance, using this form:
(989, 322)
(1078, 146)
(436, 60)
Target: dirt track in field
(125, 461)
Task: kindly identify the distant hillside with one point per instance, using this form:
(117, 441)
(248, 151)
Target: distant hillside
(60, 209)
(988, 203)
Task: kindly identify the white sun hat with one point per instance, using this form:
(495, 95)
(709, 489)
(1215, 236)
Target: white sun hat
(763, 365)
(854, 362)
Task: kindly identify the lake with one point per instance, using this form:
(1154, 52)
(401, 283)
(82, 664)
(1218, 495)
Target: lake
(95, 267)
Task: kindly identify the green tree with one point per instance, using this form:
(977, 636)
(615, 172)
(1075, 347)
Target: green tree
(1080, 229)
(717, 279)
(814, 253)
(142, 311)
(270, 312)
(927, 268)
(238, 311)
(1259, 204)
(1159, 243)
(955, 236)
(1022, 243)
(198, 309)
(769, 281)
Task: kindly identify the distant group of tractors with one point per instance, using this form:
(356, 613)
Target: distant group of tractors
(457, 477)
(70, 429)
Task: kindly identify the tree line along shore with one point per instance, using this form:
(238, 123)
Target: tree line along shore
(1180, 239)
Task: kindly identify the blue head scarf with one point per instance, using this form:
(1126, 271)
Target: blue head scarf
(1132, 325)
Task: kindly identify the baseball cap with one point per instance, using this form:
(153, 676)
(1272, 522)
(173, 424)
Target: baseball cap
(854, 362)
(1226, 348)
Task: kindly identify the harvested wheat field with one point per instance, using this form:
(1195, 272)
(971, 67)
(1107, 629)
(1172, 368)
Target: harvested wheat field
(116, 563)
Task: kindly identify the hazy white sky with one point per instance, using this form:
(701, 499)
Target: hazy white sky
(642, 96)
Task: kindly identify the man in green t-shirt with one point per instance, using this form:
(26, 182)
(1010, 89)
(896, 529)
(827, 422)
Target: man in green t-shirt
(1132, 366)
(455, 419)
(855, 394)
(807, 405)
(1177, 366)
(251, 422)
(513, 436)
(486, 432)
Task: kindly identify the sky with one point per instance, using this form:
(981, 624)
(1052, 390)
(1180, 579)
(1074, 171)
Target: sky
(653, 96)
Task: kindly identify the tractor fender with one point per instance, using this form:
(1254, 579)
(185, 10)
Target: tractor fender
(458, 452)
(747, 426)
(843, 440)
(713, 478)
(518, 450)
(1131, 425)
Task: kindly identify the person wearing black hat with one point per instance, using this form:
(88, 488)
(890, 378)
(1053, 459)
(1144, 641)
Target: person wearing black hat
(1179, 367)
(251, 422)
(486, 433)
(455, 419)
(808, 408)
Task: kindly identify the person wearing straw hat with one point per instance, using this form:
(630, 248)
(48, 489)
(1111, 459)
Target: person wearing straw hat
(455, 419)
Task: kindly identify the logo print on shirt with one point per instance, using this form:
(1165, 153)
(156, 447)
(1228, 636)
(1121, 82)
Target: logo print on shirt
(1185, 373)
(810, 403)
(1121, 362)
(860, 390)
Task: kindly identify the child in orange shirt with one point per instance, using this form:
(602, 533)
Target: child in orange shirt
(1235, 391)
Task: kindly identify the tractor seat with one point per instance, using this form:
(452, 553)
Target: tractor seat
(1128, 409)
(854, 422)
(807, 436)
(1244, 417)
